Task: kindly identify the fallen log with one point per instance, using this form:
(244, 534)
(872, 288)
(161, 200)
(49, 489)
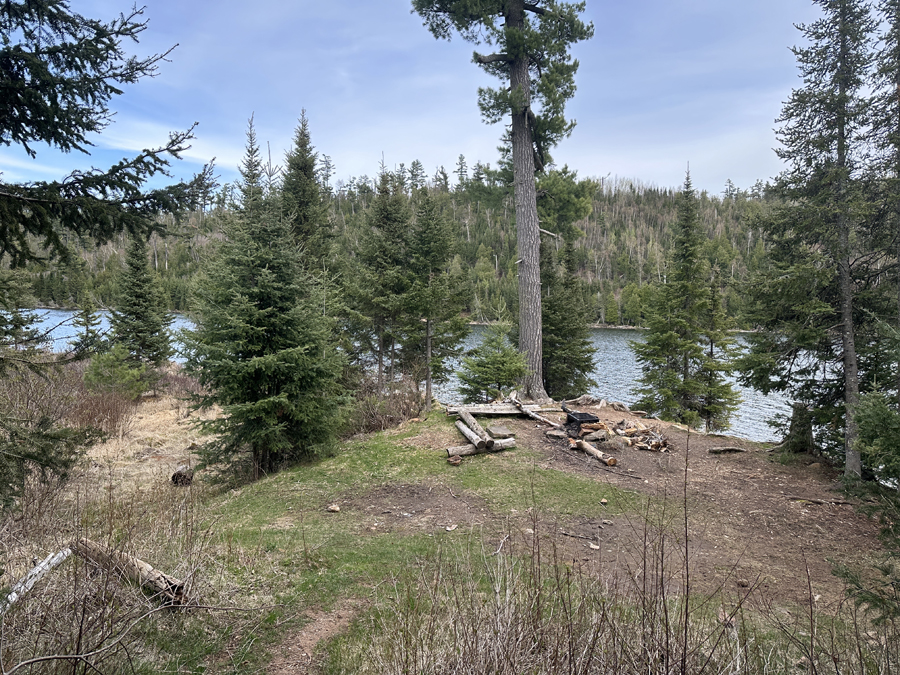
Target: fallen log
(470, 449)
(725, 449)
(584, 446)
(470, 435)
(473, 424)
(132, 569)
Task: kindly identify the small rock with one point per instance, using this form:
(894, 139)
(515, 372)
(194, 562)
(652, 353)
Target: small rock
(606, 522)
(815, 465)
(333, 508)
(456, 460)
(604, 502)
(597, 437)
(450, 528)
(743, 583)
(593, 546)
(556, 433)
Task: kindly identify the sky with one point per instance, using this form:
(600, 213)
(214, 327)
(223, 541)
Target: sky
(663, 85)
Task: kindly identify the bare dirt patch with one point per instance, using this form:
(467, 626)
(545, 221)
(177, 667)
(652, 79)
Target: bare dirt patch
(750, 521)
(416, 508)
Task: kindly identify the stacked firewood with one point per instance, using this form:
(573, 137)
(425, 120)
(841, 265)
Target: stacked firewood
(631, 433)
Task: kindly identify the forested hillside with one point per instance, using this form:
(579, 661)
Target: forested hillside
(621, 250)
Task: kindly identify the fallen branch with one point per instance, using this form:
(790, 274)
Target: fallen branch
(30, 579)
(820, 502)
(533, 415)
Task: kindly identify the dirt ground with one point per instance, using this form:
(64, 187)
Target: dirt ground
(752, 528)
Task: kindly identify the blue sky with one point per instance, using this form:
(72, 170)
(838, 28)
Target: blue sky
(663, 83)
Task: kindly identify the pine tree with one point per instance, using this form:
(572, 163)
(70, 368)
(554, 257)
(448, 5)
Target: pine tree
(30, 444)
(492, 369)
(140, 322)
(679, 377)
(87, 322)
(379, 279)
(532, 58)
(262, 347)
(718, 400)
(567, 347)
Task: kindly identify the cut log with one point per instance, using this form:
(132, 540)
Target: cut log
(477, 428)
(132, 569)
(470, 435)
(470, 449)
(609, 460)
(184, 475)
(725, 449)
(500, 409)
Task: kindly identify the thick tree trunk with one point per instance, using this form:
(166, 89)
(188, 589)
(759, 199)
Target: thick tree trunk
(527, 228)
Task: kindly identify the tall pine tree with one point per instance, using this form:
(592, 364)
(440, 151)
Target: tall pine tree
(806, 302)
(532, 40)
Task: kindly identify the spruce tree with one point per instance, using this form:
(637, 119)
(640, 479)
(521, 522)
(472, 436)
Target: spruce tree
(140, 322)
(678, 376)
(435, 298)
(567, 347)
(261, 346)
(60, 72)
(492, 369)
(302, 198)
(718, 400)
(379, 278)
(819, 255)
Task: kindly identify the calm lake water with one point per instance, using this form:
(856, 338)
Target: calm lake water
(616, 371)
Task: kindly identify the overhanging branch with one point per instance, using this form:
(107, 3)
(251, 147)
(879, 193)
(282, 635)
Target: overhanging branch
(540, 11)
(492, 58)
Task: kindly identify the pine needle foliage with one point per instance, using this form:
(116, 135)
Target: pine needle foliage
(262, 347)
(682, 373)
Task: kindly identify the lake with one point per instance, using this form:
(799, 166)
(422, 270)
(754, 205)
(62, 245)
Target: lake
(616, 371)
